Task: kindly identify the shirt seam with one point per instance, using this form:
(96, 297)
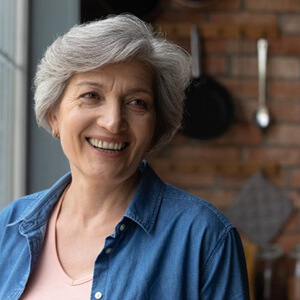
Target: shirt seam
(205, 204)
(213, 252)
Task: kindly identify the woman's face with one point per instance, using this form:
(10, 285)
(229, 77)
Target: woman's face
(106, 120)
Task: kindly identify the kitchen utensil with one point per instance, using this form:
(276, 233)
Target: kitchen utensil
(209, 107)
(270, 274)
(293, 276)
(260, 210)
(262, 116)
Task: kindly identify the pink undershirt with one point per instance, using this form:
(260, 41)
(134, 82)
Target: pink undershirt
(49, 280)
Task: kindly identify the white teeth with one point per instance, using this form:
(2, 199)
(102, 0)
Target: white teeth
(106, 145)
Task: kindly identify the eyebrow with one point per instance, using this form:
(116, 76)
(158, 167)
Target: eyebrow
(100, 85)
(92, 83)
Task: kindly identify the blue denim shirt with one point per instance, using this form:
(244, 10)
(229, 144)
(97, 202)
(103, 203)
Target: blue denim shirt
(169, 245)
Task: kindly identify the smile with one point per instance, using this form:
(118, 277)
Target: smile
(107, 146)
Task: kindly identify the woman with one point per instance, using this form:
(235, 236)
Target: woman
(111, 91)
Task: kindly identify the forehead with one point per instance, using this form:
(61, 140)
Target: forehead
(131, 72)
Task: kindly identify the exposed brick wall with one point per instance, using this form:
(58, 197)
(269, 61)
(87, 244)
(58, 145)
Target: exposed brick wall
(233, 62)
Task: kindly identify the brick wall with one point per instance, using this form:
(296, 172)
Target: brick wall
(233, 62)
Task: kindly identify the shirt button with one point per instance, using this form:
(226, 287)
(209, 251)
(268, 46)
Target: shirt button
(122, 227)
(98, 295)
(108, 250)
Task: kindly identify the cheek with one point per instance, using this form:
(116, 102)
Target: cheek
(146, 129)
(152, 122)
(73, 121)
(71, 129)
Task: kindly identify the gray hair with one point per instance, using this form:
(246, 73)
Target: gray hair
(112, 40)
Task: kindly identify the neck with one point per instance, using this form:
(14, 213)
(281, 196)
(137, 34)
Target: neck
(86, 199)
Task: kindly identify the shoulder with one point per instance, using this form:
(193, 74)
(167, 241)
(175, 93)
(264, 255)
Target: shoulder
(202, 227)
(194, 218)
(27, 205)
(206, 227)
(195, 208)
(20, 208)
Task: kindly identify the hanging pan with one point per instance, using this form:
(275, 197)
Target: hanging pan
(209, 107)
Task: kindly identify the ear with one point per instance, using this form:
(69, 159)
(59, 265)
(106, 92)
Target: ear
(52, 119)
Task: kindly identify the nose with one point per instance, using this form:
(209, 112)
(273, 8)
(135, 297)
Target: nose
(112, 117)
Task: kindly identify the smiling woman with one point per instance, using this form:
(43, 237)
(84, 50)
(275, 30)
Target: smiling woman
(111, 106)
(111, 91)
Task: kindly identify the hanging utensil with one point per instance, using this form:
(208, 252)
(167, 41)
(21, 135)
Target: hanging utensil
(262, 115)
(209, 108)
(260, 210)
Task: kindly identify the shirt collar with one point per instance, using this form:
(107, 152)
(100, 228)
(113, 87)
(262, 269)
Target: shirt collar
(42, 203)
(144, 206)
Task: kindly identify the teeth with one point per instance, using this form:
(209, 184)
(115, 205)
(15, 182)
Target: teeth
(106, 145)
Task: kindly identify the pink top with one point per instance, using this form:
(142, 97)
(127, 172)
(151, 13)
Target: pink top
(49, 281)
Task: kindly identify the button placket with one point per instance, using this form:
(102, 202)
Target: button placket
(100, 273)
(103, 262)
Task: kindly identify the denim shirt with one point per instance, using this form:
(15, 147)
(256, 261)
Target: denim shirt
(169, 245)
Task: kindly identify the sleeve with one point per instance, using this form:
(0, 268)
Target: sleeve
(225, 273)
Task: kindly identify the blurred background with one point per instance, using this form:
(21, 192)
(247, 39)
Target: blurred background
(251, 174)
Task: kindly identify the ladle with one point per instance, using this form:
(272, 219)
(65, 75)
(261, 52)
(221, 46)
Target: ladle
(262, 116)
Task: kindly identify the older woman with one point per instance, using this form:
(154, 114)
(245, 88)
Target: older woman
(111, 91)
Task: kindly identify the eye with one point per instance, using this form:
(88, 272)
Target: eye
(90, 95)
(139, 104)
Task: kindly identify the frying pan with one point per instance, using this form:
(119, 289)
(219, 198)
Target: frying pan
(209, 107)
(95, 9)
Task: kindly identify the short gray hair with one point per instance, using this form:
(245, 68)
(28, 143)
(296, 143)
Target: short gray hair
(112, 40)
